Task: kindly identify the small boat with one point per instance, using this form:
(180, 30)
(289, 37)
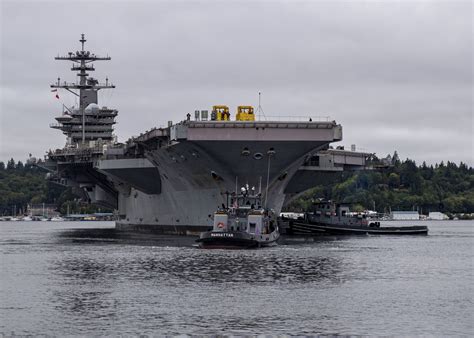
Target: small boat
(243, 223)
(27, 219)
(329, 218)
(57, 219)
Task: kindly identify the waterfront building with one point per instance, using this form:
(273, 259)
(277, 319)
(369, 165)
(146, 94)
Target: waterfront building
(436, 215)
(404, 215)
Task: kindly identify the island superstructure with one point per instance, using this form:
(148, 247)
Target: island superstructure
(88, 129)
(87, 122)
(172, 179)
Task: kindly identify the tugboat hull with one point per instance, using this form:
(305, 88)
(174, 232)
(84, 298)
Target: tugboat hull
(232, 240)
(330, 218)
(314, 229)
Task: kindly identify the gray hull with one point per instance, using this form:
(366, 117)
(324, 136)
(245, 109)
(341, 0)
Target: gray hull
(191, 188)
(182, 182)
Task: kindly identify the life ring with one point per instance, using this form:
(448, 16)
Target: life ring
(220, 225)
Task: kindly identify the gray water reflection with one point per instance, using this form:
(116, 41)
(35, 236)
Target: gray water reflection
(179, 270)
(200, 267)
(63, 280)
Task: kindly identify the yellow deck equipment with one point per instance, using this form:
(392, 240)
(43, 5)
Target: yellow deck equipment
(245, 113)
(221, 113)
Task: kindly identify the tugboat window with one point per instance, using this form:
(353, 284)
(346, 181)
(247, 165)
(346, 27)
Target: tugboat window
(241, 213)
(252, 227)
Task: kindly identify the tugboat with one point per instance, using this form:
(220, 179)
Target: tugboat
(329, 218)
(243, 223)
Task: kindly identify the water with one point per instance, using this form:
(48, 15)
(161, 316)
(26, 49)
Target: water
(84, 278)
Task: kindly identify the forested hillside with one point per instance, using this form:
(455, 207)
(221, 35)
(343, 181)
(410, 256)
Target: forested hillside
(443, 187)
(23, 184)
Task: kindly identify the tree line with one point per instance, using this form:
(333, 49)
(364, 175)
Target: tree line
(403, 185)
(23, 184)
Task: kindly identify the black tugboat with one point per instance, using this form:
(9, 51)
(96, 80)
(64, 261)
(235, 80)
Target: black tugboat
(244, 223)
(329, 218)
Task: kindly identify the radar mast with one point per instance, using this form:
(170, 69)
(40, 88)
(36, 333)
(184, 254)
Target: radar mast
(86, 122)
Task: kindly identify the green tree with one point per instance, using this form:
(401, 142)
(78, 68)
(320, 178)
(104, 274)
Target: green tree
(11, 164)
(395, 159)
(393, 180)
(445, 187)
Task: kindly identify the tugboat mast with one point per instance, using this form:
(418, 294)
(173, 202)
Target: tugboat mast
(87, 86)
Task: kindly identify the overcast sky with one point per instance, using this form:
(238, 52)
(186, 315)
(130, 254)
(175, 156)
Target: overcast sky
(398, 75)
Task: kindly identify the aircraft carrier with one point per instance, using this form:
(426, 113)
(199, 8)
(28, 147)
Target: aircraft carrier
(172, 179)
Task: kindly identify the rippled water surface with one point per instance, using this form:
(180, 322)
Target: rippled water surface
(84, 278)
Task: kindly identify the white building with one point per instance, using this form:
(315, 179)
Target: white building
(405, 215)
(437, 216)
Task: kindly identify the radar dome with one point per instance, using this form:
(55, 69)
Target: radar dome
(92, 108)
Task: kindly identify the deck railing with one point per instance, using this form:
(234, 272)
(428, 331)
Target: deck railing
(292, 118)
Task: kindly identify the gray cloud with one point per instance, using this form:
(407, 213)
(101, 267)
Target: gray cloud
(397, 75)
